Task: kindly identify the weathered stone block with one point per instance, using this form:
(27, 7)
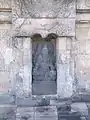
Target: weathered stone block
(63, 57)
(86, 97)
(45, 113)
(43, 102)
(64, 77)
(4, 82)
(83, 4)
(29, 27)
(82, 17)
(69, 43)
(5, 58)
(5, 31)
(22, 65)
(62, 43)
(83, 31)
(39, 88)
(5, 17)
(64, 109)
(50, 9)
(7, 112)
(82, 71)
(70, 117)
(25, 113)
(26, 102)
(88, 105)
(7, 99)
(80, 46)
(32, 101)
(5, 3)
(60, 102)
(79, 107)
(88, 47)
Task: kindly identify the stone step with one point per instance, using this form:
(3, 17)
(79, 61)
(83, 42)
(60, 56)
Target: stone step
(13, 112)
(6, 99)
(37, 113)
(7, 112)
(71, 118)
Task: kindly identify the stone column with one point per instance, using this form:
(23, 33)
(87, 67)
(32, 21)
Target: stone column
(65, 78)
(27, 61)
(22, 66)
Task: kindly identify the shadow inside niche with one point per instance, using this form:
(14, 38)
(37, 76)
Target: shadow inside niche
(44, 71)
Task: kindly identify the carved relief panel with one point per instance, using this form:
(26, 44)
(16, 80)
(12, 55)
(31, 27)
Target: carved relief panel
(50, 9)
(44, 73)
(58, 16)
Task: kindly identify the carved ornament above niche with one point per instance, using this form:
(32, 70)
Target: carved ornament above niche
(29, 27)
(43, 8)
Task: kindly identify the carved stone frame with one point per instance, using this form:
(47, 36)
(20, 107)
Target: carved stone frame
(65, 68)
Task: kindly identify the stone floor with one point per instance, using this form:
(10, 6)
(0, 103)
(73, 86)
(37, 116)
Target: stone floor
(73, 111)
(76, 108)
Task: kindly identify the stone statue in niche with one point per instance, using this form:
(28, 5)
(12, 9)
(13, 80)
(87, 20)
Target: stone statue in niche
(44, 60)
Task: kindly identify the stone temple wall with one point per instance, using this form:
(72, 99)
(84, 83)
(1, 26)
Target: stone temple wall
(82, 44)
(69, 20)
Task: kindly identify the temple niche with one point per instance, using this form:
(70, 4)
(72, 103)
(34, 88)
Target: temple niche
(50, 27)
(44, 69)
(40, 47)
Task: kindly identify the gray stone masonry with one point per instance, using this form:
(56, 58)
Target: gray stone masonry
(62, 67)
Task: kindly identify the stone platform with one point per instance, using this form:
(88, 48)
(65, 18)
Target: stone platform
(46, 108)
(64, 111)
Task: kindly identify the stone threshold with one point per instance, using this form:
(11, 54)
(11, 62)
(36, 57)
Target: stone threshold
(40, 101)
(43, 100)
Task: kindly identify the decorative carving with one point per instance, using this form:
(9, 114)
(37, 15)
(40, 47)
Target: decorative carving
(83, 4)
(88, 3)
(28, 27)
(44, 8)
(5, 3)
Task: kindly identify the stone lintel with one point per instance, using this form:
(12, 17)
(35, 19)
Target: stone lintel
(29, 27)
